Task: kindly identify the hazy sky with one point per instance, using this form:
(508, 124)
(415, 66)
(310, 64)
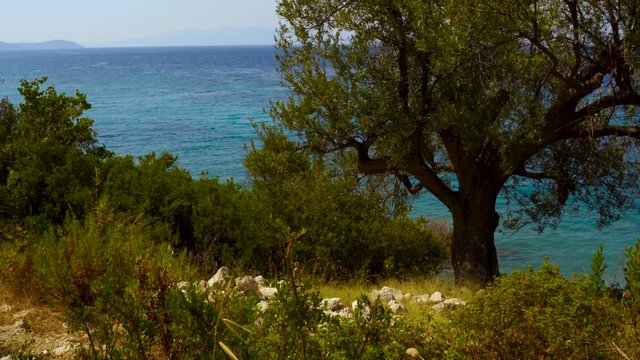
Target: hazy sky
(95, 22)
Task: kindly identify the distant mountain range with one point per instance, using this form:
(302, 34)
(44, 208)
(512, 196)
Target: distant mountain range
(188, 37)
(45, 45)
(199, 37)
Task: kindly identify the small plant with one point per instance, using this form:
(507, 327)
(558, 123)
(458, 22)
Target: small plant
(632, 275)
(596, 281)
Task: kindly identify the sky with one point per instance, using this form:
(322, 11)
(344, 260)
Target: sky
(99, 22)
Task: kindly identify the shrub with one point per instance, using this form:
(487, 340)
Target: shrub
(113, 281)
(632, 275)
(538, 315)
(352, 228)
(197, 321)
(49, 154)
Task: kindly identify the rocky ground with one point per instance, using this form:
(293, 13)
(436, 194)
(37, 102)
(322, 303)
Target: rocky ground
(35, 330)
(40, 331)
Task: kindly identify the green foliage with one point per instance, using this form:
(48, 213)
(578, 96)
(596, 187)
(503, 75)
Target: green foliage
(535, 100)
(112, 279)
(49, 156)
(196, 322)
(373, 333)
(538, 315)
(350, 227)
(632, 275)
(596, 281)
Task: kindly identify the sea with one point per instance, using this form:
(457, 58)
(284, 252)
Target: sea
(199, 104)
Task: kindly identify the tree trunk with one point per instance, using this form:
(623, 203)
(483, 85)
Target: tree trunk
(473, 251)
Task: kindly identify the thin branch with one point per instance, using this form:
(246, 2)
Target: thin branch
(534, 175)
(406, 181)
(330, 15)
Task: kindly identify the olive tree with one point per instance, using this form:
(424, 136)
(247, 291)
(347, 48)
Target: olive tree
(468, 99)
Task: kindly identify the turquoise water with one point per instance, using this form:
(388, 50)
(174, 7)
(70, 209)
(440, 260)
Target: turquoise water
(198, 103)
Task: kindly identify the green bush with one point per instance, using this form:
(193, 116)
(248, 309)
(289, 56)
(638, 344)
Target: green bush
(352, 230)
(539, 315)
(197, 320)
(49, 156)
(113, 281)
(632, 275)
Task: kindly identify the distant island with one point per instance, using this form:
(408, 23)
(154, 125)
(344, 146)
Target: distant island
(45, 45)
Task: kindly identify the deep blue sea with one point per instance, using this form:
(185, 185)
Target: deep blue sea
(198, 103)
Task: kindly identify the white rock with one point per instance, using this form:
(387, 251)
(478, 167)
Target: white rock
(421, 299)
(259, 279)
(220, 277)
(248, 285)
(202, 285)
(346, 313)
(396, 307)
(60, 350)
(182, 286)
(8, 357)
(330, 313)
(407, 296)
(436, 297)
(365, 310)
(267, 293)
(386, 294)
(332, 304)
(448, 304)
(263, 305)
(455, 302)
(4, 308)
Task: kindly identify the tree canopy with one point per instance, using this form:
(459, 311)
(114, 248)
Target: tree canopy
(468, 99)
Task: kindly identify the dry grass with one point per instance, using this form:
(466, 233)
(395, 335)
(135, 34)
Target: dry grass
(42, 318)
(350, 291)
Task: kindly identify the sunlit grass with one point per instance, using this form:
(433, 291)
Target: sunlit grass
(352, 290)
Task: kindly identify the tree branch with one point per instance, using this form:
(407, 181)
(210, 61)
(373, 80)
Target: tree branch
(607, 102)
(628, 131)
(534, 175)
(573, 9)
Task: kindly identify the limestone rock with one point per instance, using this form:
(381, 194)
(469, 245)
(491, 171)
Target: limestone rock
(248, 285)
(455, 302)
(358, 305)
(220, 277)
(421, 299)
(448, 304)
(386, 294)
(332, 304)
(182, 286)
(61, 350)
(436, 297)
(267, 293)
(259, 279)
(263, 305)
(346, 313)
(396, 307)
